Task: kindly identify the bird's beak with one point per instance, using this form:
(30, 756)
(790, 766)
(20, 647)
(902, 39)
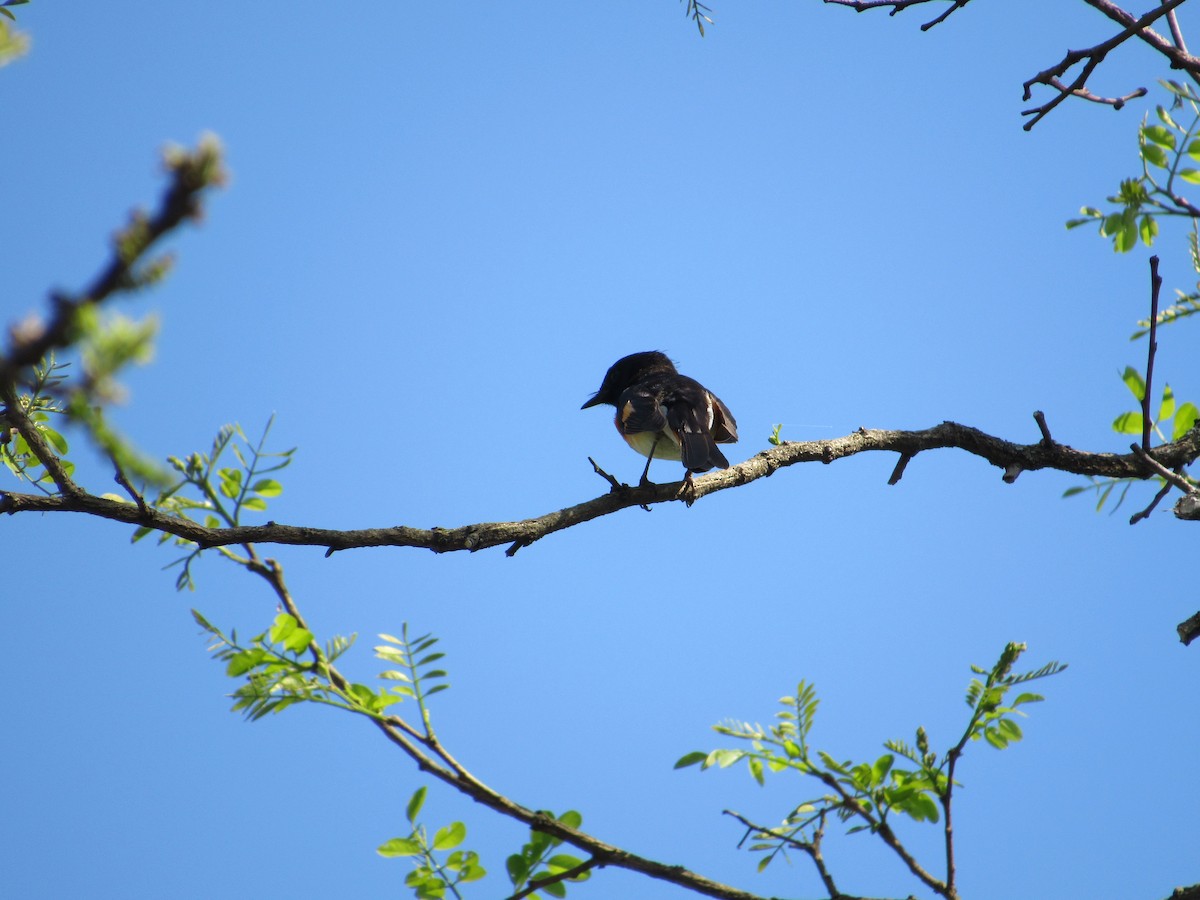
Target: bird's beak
(595, 401)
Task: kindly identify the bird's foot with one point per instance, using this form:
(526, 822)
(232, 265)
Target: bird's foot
(687, 490)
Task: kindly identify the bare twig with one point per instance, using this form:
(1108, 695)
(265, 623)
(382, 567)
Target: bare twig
(1040, 418)
(1147, 418)
(900, 6)
(901, 465)
(1158, 498)
(123, 480)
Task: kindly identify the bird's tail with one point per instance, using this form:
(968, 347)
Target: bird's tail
(698, 450)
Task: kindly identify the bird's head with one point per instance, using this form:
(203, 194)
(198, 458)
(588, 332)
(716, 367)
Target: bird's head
(627, 371)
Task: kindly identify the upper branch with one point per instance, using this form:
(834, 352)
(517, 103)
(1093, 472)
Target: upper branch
(1093, 56)
(1012, 458)
(899, 5)
(190, 174)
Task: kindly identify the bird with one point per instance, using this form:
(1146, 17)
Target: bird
(664, 415)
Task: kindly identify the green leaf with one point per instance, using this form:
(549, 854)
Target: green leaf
(1154, 154)
(571, 819)
(243, 662)
(283, 626)
(267, 487)
(1148, 229)
(1127, 238)
(1128, 423)
(1161, 136)
(257, 504)
(1165, 118)
(561, 862)
(518, 869)
(1134, 381)
(756, 769)
(557, 889)
(1191, 176)
(1185, 417)
(415, 802)
(298, 640)
(399, 847)
(56, 439)
(1167, 409)
(724, 758)
(450, 837)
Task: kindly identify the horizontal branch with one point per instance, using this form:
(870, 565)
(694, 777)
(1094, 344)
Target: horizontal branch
(1011, 458)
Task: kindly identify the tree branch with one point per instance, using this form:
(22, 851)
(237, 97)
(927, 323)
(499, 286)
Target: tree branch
(1012, 458)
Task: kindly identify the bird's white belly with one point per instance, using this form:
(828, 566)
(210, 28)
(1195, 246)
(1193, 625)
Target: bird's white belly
(642, 441)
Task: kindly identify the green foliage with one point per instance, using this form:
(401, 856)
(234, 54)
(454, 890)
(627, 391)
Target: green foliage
(434, 876)
(40, 404)
(285, 665)
(1172, 421)
(775, 440)
(1167, 151)
(698, 13)
(13, 43)
(217, 495)
(279, 667)
(537, 860)
(910, 780)
(413, 679)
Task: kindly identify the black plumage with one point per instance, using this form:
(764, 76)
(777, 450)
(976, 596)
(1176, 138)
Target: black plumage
(665, 415)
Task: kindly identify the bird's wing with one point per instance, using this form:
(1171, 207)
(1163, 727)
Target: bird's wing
(639, 408)
(724, 428)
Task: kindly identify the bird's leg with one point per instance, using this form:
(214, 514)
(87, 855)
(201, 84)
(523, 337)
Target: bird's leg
(645, 479)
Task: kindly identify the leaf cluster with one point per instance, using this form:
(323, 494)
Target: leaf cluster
(1171, 422)
(216, 494)
(1165, 150)
(39, 405)
(432, 878)
(910, 780)
(536, 862)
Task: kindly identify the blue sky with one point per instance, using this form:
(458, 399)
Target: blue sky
(444, 222)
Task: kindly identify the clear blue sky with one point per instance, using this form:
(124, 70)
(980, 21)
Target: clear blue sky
(445, 221)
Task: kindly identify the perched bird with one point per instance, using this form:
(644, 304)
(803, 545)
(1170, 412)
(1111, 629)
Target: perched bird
(665, 415)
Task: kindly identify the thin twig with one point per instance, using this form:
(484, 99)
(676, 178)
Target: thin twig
(1145, 513)
(123, 480)
(1159, 469)
(574, 872)
(1040, 418)
(1155, 285)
